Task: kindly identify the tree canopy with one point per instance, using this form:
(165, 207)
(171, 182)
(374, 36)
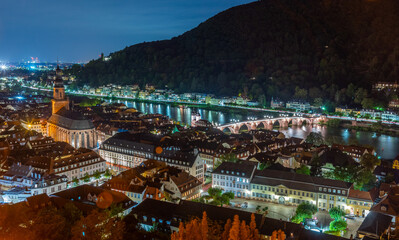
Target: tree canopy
(206, 229)
(336, 213)
(303, 211)
(263, 49)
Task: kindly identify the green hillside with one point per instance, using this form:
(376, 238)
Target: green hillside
(268, 48)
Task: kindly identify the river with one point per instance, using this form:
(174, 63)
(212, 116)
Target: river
(385, 146)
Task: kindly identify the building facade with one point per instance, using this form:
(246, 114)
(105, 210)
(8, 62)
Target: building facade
(125, 150)
(234, 179)
(298, 106)
(66, 125)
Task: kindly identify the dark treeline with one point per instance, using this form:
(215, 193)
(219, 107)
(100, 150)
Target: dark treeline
(282, 48)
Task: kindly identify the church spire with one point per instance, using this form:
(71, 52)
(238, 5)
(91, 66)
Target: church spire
(59, 99)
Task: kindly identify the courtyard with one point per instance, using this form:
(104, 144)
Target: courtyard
(284, 212)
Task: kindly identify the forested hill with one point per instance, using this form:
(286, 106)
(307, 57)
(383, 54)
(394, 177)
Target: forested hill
(267, 48)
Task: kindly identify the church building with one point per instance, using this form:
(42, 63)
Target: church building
(67, 125)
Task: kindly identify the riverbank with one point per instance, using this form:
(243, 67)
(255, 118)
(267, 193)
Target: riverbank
(377, 127)
(220, 108)
(370, 128)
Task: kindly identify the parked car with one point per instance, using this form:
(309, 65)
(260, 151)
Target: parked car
(244, 205)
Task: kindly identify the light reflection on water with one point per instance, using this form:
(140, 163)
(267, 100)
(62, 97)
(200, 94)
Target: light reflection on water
(386, 146)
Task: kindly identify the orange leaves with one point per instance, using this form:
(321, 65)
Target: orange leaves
(204, 230)
(278, 235)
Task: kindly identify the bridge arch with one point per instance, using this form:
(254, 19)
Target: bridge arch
(225, 129)
(268, 124)
(264, 125)
(244, 127)
(283, 122)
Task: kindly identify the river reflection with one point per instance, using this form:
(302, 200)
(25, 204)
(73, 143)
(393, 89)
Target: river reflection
(386, 146)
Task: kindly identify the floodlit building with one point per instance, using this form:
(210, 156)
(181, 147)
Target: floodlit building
(66, 125)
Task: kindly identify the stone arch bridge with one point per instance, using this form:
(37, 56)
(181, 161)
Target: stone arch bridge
(284, 122)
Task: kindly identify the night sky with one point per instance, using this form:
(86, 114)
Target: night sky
(79, 30)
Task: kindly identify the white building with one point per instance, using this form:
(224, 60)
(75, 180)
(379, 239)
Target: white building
(298, 106)
(389, 116)
(233, 178)
(125, 150)
(35, 184)
(370, 113)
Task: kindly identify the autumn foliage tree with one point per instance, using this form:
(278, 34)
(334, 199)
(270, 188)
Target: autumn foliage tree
(98, 225)
(278, 235)
(204, 230)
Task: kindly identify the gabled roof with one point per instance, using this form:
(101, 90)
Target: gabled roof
(71, 120)
(359, 195)
(389, 205)
(375, 224)
(337, 158)
(185, 210)
(95, 196)
(38, 200)
(238, 169)
(272, 177)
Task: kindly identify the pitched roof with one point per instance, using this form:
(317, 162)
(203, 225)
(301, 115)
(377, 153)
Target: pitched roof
(359, 195)
(375, 224)
(38, 200)
(240, 168)
(71, 120)
(389, 205)
(185, 210)
(295, 180)
(95, 196)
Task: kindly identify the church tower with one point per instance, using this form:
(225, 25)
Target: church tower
(59, 99)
